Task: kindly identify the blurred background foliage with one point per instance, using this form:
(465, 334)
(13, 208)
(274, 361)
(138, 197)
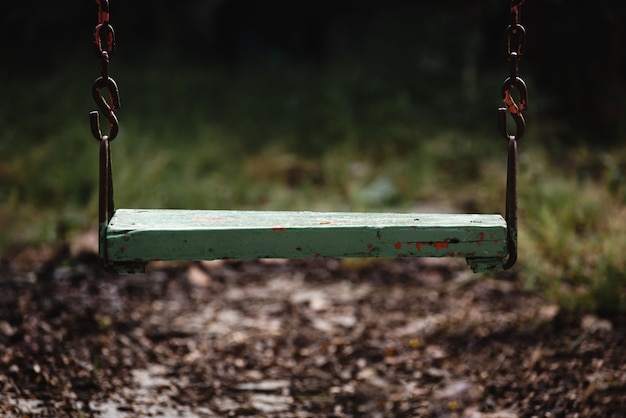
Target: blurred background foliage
(327, 104)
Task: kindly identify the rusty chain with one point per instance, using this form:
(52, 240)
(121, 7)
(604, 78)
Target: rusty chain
(515, 46)
(104, 42)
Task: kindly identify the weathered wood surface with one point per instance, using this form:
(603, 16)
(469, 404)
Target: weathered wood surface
(139, 236)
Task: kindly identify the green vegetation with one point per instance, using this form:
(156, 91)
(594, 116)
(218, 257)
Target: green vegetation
(300, 139)
(574, 228)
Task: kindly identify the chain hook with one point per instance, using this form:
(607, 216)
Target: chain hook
(106, 109)
(513, 107)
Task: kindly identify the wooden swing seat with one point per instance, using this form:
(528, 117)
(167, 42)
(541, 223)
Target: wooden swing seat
(133, 237)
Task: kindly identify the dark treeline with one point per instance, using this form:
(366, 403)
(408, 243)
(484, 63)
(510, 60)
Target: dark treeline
(576, 55)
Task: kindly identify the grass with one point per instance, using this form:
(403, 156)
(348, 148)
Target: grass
(340, 140)
(574, 228)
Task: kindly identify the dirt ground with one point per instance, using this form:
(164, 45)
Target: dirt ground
(295, 338)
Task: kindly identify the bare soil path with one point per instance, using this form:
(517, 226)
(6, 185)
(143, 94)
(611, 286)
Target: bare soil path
(323, 338)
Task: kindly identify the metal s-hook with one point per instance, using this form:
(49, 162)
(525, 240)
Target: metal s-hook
(106, 109)
(515, 109)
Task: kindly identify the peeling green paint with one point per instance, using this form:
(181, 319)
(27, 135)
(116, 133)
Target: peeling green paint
(135, 237)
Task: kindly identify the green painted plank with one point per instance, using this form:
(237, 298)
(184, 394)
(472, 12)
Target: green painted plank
(146, 235)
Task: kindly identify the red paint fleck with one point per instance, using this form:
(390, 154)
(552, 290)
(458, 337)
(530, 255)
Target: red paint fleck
(123, 248)
(378, 234)
(278, 229)
(398, 245)
(496, 241)
(317, 255)
(418, 245)
(440, 245)
(482, 236)
(370, 246)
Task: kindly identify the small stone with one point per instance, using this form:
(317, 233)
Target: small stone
(271, 403)
(265, 386)
(459, 391)
(6, 329)
(592, 323)
(198, 277)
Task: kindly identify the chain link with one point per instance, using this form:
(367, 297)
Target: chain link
(104, 42)
(104, 33)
